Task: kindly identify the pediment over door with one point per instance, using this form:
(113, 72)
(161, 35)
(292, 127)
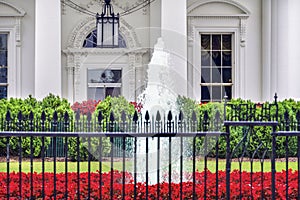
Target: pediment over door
(9, 10)
(217, 8)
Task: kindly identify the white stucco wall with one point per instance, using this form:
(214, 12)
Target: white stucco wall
(26, 82)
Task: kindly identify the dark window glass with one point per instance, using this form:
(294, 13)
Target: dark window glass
(226, 58)
(3, 75)
(3, 58)
(216, 66)
(216, 42)
(216, 58)
(226, 42)
(205, 42)
(226, 72)
(3, 42)
(3, 92)
(205, 94)
(113, 91)
(228, 92)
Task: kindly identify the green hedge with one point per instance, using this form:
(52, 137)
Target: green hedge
(49, 105)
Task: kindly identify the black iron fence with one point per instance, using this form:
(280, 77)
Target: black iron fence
(158, 157)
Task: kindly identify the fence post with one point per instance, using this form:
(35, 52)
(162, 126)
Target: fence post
(228, 164)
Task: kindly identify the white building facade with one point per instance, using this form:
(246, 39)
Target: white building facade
(238, 48)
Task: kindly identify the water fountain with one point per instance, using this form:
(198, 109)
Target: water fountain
(159, 96)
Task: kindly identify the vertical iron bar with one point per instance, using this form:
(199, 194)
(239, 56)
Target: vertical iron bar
(158, 168)
(134, 168)
(54, 165)
(89, 167)
(123, 181)
(66, 167)
(217, 168)
(228, 164)
(100, 168)
(112, 169)
(194, 168)
(181, 166)
(147, 167)
(78, 167)
(251, 179)
(31, 167)
(170, 168)
(7, 170)
(286, 167)
(20, 167)
(205, 167)
(43, 167)
(273, 167)
(43, 118)
(262, 180)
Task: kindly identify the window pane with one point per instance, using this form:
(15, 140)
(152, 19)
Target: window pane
(96, 93)
(216, 75)
(226, 58)
(216, 93)
(205, 42)
(3, 92)
(216, 42)
(227, 75)
(226, 41)
(216, 58)
(113, 91)
(3, 58)
(205, 58)
(104, 76)
(228, 92)
(3, 41)
(205, 75)
(205, 94)
(3, 75)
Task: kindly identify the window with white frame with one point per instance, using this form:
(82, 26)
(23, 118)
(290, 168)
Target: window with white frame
(3, 65)
(216, 66)
(103, 83)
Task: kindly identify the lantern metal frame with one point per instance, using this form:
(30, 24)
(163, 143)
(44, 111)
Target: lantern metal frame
(107, 22)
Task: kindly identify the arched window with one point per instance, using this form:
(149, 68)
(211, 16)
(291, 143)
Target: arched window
(91, 40)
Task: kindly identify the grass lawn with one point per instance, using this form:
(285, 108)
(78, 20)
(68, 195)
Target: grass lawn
(187, 166)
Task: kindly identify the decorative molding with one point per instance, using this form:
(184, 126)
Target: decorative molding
(18, 29)
(197, 4)
(87, 25)
(243, 31)
(126, 5)
(17, 12)
(63, 7)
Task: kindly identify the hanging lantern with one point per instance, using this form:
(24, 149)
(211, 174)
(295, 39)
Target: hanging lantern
(107, 27)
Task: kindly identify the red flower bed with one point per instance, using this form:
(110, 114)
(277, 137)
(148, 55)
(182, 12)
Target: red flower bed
(187, 188)
(85, 107)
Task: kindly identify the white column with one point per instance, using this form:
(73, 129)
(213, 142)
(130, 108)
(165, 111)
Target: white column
(267, 93)
(174, 34)
(280, 48)
(294, 42)
(47, 48)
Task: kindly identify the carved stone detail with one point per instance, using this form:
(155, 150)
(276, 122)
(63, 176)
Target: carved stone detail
(87, 25)
(243, 31)
(18, 29)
